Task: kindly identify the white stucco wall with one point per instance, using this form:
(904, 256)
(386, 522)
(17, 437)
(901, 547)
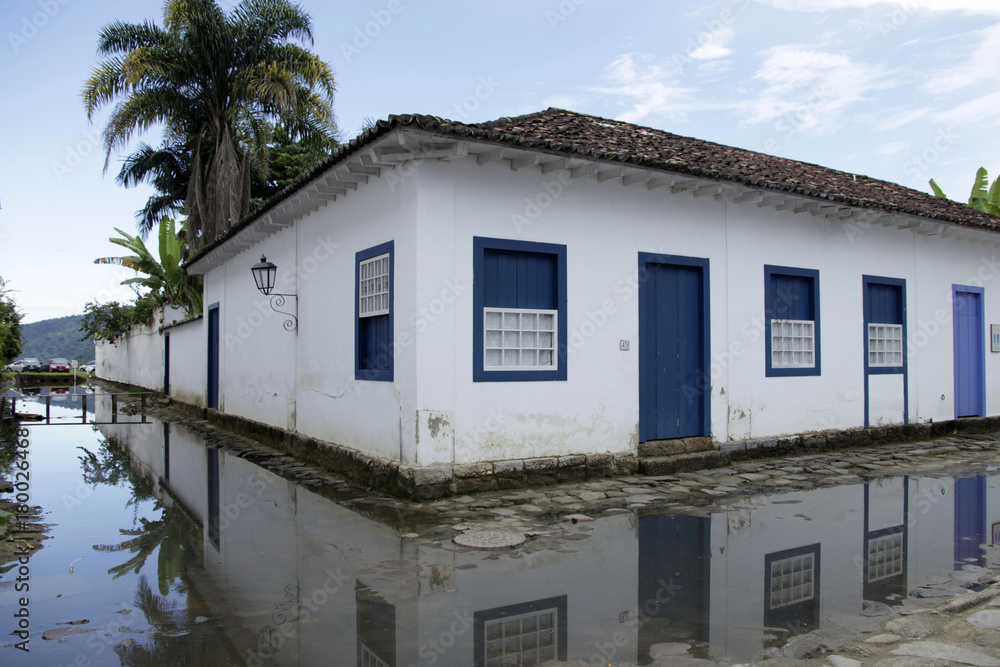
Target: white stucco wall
(305, 381)
(605, 226)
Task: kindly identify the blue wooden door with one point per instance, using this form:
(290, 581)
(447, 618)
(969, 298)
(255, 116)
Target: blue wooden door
(674, 385)
(212, 400)
(970, 372)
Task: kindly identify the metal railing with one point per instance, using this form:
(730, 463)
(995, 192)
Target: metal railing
(8, 408)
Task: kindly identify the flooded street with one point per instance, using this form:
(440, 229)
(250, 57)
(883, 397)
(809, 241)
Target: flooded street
(166, 549)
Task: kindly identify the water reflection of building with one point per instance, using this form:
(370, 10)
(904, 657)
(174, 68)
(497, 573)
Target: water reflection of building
(310, 579)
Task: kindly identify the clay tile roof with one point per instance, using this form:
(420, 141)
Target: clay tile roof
(575, 133)
(579, 135)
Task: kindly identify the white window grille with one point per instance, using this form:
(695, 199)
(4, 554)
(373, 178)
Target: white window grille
(369, 659)
(519, 339)
(885, 345)
(373, 286)
(885, 556)
(525, 639)
(793, 344)
(791, 580)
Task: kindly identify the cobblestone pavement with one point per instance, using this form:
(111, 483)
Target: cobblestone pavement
(683, 491)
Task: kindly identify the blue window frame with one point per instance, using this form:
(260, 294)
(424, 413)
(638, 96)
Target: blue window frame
(519, 311)
(791, 321)
(373, 313)
(885, 325)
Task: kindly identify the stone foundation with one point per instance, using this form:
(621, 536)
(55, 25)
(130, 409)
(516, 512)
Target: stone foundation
(659, 458)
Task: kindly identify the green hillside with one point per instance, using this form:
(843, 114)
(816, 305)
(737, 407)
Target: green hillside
(58, 337)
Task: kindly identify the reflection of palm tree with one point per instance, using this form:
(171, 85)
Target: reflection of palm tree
(177, 536)
(8, 445)
(112, 465)
(169, 641)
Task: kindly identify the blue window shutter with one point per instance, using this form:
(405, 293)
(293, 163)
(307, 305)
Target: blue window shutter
(792, 297)
(884, 304)
(519, 280)
(376, 348)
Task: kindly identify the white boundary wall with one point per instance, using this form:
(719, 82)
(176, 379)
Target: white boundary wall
(137, 359)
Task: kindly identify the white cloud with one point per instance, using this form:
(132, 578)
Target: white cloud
(980, 111)
(712, 44)
(809, 89)
(647, 89)
(894, 119)
(971, 6)
(891, 148)
(979, 67)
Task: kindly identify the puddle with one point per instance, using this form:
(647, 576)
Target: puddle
(165, 550)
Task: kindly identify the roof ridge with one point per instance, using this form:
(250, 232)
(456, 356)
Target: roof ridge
(593, 137)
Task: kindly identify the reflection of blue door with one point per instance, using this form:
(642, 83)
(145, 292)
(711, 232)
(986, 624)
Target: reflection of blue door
(212, 400)
(970, 372)
(674, 384)
(675, 568)
(970, 520)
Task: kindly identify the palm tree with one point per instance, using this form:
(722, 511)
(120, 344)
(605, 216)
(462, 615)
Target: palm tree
(217, 82)
(168, 170)
(165, 276)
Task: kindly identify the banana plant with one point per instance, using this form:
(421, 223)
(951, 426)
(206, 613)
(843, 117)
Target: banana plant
(984, 197)
(164, 276)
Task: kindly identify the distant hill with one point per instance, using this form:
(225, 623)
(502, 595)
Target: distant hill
(58, 337)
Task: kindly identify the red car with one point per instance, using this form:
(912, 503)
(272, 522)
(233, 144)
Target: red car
(58, 365)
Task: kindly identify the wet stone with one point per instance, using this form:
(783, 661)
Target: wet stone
(930, 649)
(489, 539)
(531, 509)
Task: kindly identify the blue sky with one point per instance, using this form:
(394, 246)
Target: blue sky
(899, 91)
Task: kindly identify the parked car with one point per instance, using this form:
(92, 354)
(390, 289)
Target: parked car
(89, 367)
(58, 365)
(16, 366)
(31, 365)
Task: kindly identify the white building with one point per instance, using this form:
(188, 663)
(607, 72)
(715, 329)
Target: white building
(540, 295)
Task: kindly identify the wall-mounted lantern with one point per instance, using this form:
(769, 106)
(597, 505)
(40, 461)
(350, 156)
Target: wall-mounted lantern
(263, 274)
